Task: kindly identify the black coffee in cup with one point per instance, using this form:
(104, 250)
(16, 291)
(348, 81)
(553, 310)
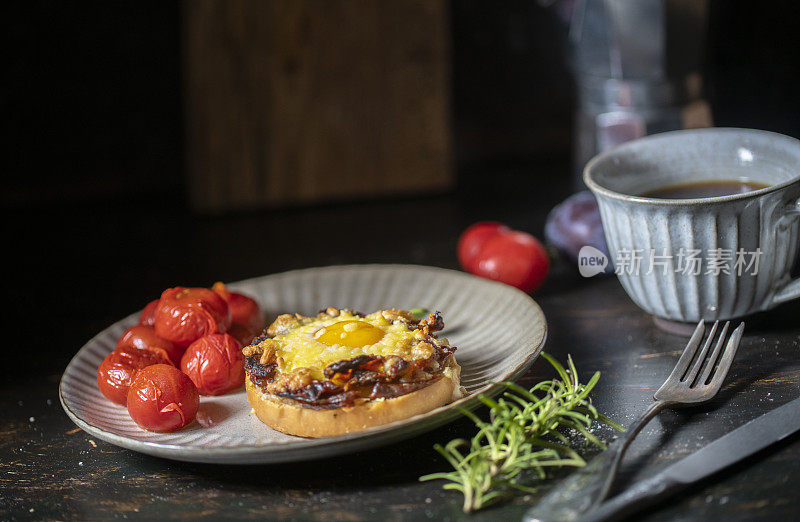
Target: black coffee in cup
(704, 189)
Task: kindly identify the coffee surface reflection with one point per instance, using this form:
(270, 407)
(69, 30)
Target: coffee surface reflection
(704, 189)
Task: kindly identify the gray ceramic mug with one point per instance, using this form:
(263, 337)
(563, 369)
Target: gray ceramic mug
(707, 258)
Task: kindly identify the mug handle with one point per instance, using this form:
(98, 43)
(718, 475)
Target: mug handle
(790, 290)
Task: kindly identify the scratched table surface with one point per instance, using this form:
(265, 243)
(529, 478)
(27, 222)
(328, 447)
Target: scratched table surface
(73, 271)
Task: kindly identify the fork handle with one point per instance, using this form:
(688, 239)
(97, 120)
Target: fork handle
(618, 450)
(585, 488)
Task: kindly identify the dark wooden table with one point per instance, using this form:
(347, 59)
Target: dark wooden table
(75, 270)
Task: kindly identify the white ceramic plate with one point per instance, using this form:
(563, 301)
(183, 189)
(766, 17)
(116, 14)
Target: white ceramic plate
(498, 330)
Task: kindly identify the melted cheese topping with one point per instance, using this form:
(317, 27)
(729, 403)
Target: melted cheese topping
(319, 342)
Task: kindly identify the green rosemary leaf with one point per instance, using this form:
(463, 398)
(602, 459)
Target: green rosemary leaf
(521, 438)
(573, 371)
(489, 402)
(590, 385)
(524, 489)
(558, 367)
(560, 437)
(605, 420)
(527, 394)
(418, 313)
(439, 475)
(558, 449)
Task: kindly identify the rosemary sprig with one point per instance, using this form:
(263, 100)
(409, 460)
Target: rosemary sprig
(521, 438)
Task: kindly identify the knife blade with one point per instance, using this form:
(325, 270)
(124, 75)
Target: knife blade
(572, 500)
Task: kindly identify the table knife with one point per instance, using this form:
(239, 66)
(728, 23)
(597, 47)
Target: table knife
(572, 500)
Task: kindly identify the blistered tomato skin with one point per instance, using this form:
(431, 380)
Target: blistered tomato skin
(144, 337)
(242, 334)
(473, 238)
(162, 399)
(515, 258)
(215, 364)
(244, 310)
(187, 314)
(148, 316)
(116, 372)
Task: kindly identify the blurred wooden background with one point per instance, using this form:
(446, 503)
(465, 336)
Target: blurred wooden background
(297, 101)
(95, 107)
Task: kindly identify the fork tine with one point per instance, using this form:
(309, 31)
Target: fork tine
(688, 353)
(727, 357)
(698, 363)
(712, 359)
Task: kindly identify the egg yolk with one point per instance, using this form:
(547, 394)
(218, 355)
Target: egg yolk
(353, 334)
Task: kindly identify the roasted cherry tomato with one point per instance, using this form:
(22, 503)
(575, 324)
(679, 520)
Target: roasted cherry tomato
(515, 258)
(162, 398)
(215, 364)
(473, 238)
(244, 310)
(187, 314)
(242, 334)
(120, 366)
(148, 316)
(144, 338)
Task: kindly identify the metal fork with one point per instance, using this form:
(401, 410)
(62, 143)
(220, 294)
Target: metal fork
(696, 378)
